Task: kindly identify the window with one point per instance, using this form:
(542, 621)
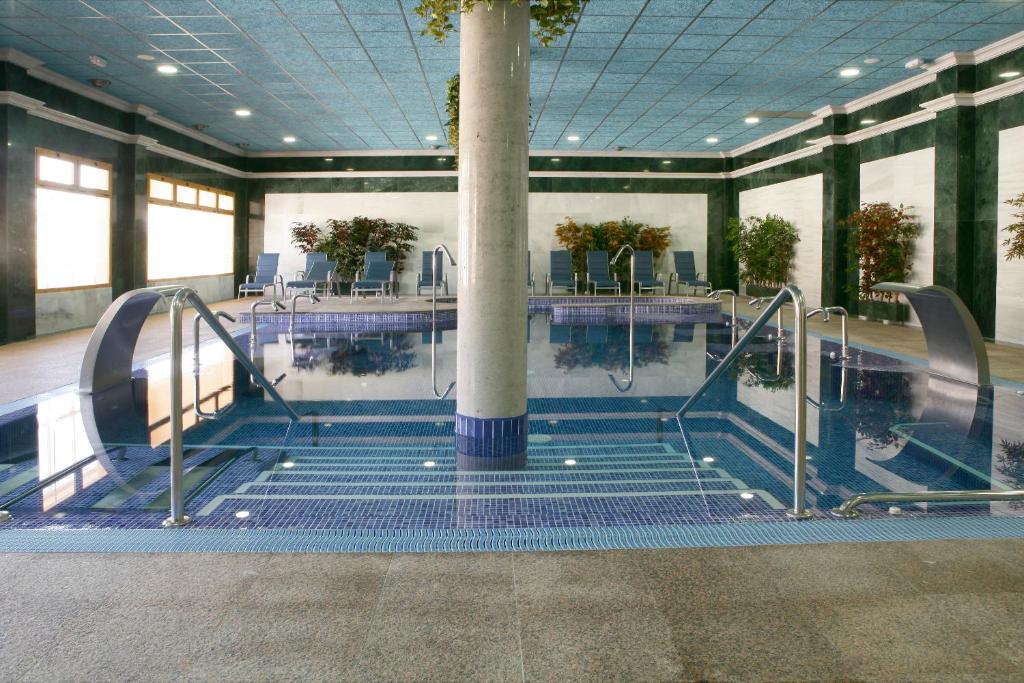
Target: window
(191, 229)
(72, 222)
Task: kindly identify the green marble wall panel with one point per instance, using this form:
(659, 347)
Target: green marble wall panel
(841, 194)
(17, 227)
(986, 215)
(954, 201)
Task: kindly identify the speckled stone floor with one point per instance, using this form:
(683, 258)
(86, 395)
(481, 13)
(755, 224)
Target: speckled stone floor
(935, 611)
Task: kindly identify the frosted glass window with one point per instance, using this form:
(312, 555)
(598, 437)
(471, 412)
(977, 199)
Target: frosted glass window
(186, 195)
(55, 170)
(72, 239)
(158, 189)
(93, 178)
(188, 242)
(227, 202)
(207, 199)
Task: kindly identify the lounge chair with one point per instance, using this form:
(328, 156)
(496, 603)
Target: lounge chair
(311, 258)
(320, 275)
(561, 273)
(529, 273)
(377, 278)
(686, 273)
(597, 273)
(265, 276)
(425, 278)
(644, 276)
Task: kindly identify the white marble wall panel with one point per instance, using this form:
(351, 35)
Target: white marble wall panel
(798, 201)
(1009, 274)
(907, 179)
(70, 309)
(436, 215)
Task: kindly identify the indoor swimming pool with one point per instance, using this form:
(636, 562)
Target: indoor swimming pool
(371, 465)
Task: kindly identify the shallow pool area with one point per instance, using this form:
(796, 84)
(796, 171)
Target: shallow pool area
(371, 464)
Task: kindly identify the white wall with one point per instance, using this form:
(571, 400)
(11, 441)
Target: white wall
(907, 179)
(801, 202)
(436, 215)
(1009, 274)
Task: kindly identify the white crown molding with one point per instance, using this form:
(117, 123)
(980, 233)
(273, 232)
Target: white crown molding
(351, 174)
(951, 59)
(188, 131)
(775, 161)
(625, 154)
(18, 58)
(949, 102)
(447, 152)
(441, 152)
(164, 150)
(999, 48)
(16, 99)
(796, 129)
(889, 126)
(627, 174)
(998, 92)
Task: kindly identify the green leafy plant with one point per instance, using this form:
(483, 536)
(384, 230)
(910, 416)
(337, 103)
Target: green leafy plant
(610, 236)
(347, 241)
(452, 107)
(881, 243)
(1010, 461)
(882, 399)
(765, 248)
(1015, 242)
(553, 17)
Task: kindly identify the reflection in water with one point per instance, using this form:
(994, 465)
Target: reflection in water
(62, 443)
(608, 347)
(882, 400)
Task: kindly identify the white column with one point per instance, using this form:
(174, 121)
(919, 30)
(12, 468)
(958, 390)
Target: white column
(494, 64)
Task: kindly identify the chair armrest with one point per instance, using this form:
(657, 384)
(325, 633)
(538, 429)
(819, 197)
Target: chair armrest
(249, 278)
(300, 275)
(547, 278)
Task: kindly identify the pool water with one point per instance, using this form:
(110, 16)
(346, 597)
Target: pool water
(609, 466)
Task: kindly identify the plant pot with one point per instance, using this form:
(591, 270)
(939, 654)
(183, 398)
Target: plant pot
(760, 290)
(884, 311)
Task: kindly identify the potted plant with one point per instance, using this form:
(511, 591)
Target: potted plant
(765, 248)
(347, 241)
(881, 243)
(1015, 242)
(609, 236)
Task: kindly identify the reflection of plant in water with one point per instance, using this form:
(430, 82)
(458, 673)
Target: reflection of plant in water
(613, 354)
(882, 400)
(1010, 462)
(762, 370)
(372, 356)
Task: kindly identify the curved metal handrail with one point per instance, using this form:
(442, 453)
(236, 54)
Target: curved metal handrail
(632, 285)
(717, 296)
(792, 293)
(848, 508)
(433, 322)
(200, 413)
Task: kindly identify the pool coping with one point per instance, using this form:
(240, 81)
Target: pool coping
(730, 534)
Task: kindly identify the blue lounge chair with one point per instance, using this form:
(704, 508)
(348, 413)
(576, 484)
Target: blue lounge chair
(644, 276)
(266, 276)
(561, 273)
(529, 273)
(377, 278)
(311, 258)
(425, 278)
(597, 273)
(320, 275)
(686, 272)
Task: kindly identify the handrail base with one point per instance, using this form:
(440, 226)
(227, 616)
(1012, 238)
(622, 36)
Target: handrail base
(5, 516)
(171, 522)
(799, 514)
(847, 509)
(844, 514)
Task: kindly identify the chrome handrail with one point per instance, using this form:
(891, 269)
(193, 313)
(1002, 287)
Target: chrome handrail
(182, 296)
(848, 508)
(793, 293)
(277, 306)
(309, 296)
(820, 405)
(826, 313)
(433, 321)
(717, 296)
(632, 286)
(200, 413)
(759, 301)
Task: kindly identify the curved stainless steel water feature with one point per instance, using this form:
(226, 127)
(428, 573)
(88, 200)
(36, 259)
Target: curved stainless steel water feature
(632, 286)
(196, 397)
(793, 293)
(433, 322)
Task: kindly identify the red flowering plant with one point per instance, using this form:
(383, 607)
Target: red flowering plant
(881, 246)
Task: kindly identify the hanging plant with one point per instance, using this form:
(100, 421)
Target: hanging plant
(765, 248)
(452, 124)
(1015, 242)
(553, 17)
(881, 246)
(610, 236)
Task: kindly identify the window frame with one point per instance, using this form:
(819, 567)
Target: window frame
(74, 188)
(175, 183)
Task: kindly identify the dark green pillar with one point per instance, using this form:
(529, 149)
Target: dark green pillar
(841, 197)
(17, 228)
(986, 216)
(722, 267)
(128, 233)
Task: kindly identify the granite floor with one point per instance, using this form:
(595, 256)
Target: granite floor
(932, 611)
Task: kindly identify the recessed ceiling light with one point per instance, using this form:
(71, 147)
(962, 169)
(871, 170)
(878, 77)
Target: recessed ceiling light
(243, 112)
(97, 61)
(573, 138)
(708, 459)
(868, 122)
(746, 496)
(1009, 74)
(849, 72)
(751, 119)
(350, 169)
(872, 60)
(442, 158)
(288, 465)
(666, 162)
(144, 57)
(328, 158)
(570, 462)
(430, 463)
(555, 160)
(552, 422)
(242, 514)
(99, 82)
(288, 138)
(167, 69)
(430, 137)
(712, 140)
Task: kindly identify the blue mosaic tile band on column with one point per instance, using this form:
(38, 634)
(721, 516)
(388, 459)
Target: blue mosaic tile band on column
(490, 443)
